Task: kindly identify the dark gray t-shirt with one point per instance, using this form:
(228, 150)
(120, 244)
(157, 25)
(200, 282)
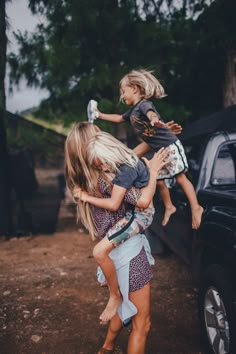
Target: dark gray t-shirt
(155, 137)
(128, 176)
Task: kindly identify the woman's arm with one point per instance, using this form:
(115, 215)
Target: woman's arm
(155, 165)
(118, 194)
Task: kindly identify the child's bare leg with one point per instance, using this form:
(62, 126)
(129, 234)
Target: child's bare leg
(101, 254)
(189, 190)
(165, 196)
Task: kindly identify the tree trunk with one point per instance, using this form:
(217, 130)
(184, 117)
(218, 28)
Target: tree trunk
(229, 91)
(5, 218)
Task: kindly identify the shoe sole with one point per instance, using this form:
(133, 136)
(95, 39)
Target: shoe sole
(92, 105)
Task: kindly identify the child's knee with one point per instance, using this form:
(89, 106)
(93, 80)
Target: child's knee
(161, 184)
(181, 178)
(99, 253)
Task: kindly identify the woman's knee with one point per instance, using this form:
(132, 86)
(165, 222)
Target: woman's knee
(147, 326)
(142, 326)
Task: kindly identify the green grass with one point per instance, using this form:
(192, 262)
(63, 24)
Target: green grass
(58, 127)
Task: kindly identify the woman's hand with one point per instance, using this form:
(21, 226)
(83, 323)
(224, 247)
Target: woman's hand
(158, 161)
(175, 128)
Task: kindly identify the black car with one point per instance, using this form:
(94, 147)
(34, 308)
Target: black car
(210, 146)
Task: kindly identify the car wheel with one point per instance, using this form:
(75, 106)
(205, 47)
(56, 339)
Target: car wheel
(217, 316)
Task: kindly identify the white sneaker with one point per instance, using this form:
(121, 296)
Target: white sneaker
(91, 111)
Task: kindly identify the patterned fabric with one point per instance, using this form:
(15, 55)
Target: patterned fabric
(105, 219)
(178, 162)
(130, 225)
(140, 272)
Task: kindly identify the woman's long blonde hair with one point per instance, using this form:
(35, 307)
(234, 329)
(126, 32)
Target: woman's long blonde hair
(147, 83)
(79, 172)
(110, 152)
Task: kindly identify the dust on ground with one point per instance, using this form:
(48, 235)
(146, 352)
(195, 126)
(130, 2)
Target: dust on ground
(50, 300)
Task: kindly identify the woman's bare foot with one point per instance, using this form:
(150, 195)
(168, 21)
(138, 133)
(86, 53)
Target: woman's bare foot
(168, 212)
(197, 217)
(111, 308)
(105, 351)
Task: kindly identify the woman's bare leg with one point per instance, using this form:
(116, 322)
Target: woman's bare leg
(189, 190)
(141, 322)
(101, 254)
(113, 330)
(165, 196)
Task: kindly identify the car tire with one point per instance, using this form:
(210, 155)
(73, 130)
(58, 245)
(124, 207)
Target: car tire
(216, 312)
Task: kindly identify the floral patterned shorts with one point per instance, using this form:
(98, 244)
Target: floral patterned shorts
(178, 162)
(131, 224)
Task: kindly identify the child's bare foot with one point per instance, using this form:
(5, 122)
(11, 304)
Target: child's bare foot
(111, 308)
(168, 212)
(104, 284)
(197, 217)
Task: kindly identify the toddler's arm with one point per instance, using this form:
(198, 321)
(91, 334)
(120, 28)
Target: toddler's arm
(118, 193)
(155, 120)
(115, 118)
(112, 203)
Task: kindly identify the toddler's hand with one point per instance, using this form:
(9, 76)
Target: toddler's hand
(175, 128)
(79, 194)
(97, 113)
(76, 194)
(155, 121)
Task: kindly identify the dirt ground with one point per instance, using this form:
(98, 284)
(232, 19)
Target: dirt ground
(50, 299)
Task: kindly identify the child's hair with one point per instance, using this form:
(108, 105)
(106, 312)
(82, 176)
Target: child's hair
(110, 151)
(148, 85)
(78, 172)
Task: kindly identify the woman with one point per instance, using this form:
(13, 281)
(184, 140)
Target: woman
(130, 258)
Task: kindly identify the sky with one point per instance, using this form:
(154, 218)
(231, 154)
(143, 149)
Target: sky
(20, 18)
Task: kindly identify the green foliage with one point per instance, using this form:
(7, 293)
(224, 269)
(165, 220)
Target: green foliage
(83, 48)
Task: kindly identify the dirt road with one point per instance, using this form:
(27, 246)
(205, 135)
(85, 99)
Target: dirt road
(50, 300)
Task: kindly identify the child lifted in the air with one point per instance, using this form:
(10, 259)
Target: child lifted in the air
(136, 88)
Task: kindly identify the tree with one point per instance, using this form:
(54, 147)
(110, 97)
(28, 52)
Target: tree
(83, 49)
(5, 219)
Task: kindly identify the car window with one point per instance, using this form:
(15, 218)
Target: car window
(224, 166)
(193, 153)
